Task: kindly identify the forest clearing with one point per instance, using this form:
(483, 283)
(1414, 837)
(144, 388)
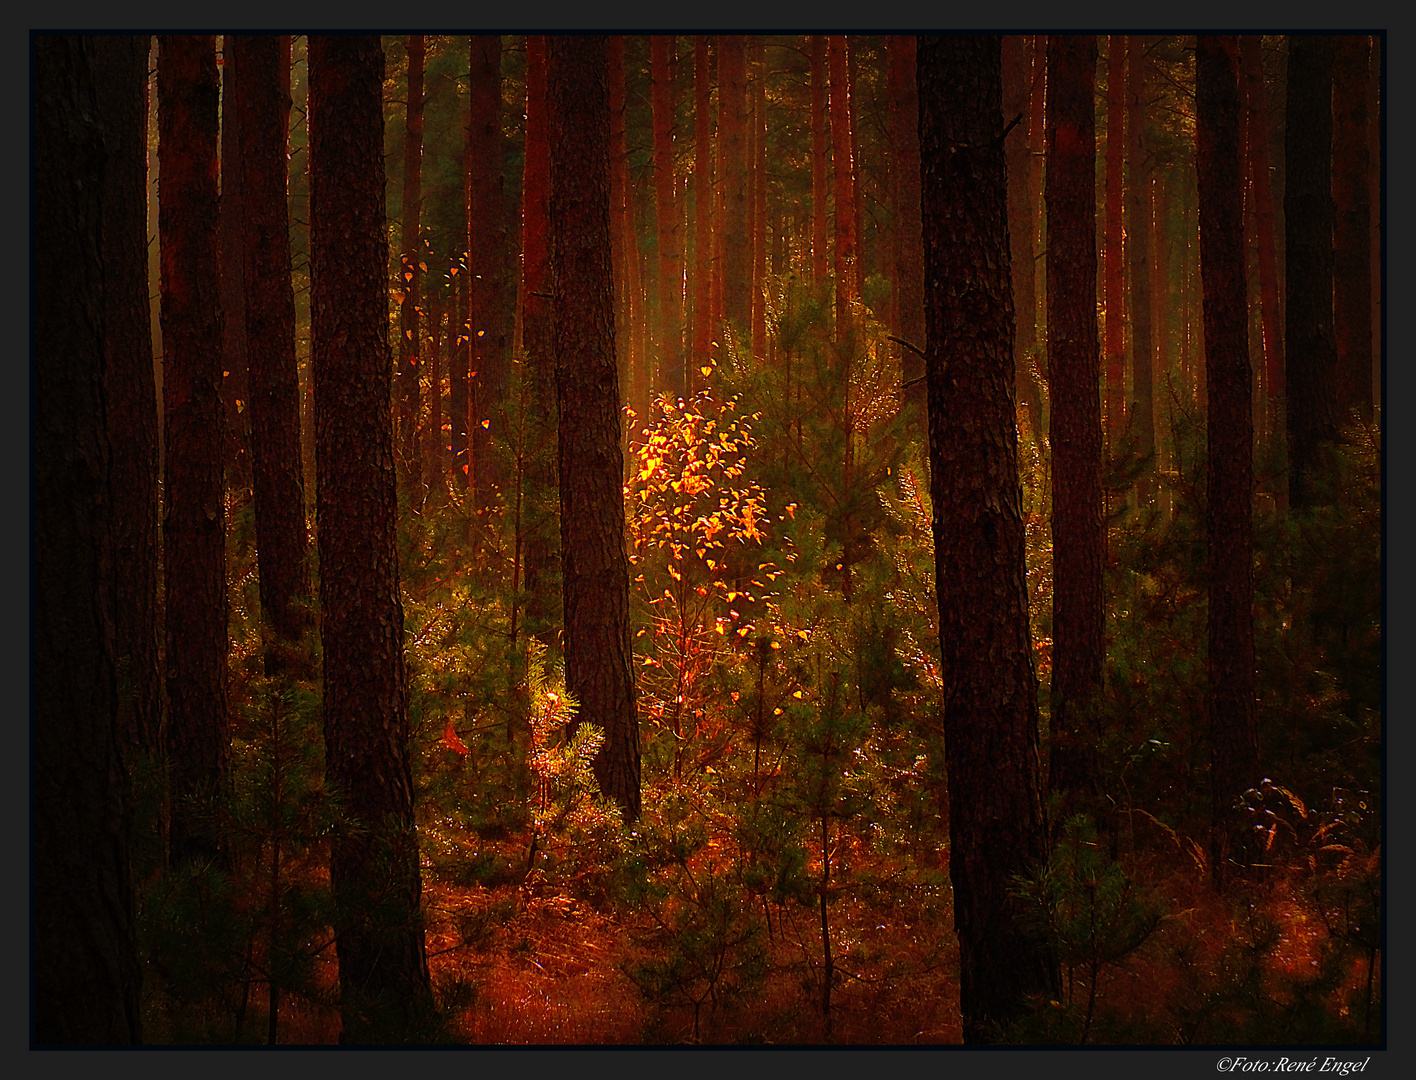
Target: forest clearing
(811, 540)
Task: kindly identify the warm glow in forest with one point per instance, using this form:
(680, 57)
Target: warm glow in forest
(757, 539)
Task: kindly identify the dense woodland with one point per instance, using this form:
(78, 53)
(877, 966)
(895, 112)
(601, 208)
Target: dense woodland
(722, 539)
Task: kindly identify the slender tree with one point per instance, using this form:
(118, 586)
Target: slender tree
(276, 464)
(737, 237)
(843, 187)
(486, 345)
(1229, 499)
(1138, 216)
(703, 207)
(235, 385)
(120, 65)
(193, 531)
(820, 160)
(1310, 351)
(908, 293)
(383, 971)
(1078, 536)
(86, 975)
(990, 689)
(1113, 267)
(1352, 239)
(1017, 81)
(670, 268)
(595, 564)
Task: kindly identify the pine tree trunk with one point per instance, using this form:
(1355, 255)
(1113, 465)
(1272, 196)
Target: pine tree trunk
(1036, 222)
(1078, 536)
(843, 187)
(595, 565)
(409, 341)
(235, 387)
(120, 66)
(908, 292)
(759, 198)
(1229, 502)
(87, 979)
(737, 238)
(820, 161)
(619, 191)
(487, 373)
(670, 272)
(193, 531)
(990, 691)
(1310, 351)
(1017, 80)
(702, 211)
(374, 870)
(277, 471)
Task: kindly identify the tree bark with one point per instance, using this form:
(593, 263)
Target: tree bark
(120, 66)
(1078, 535)
(486, 342)
(670, 268)
(595, 565)
(847, 252)
(990, 690)
(193, 528)
(737, 238)
(1310, 350)
(87, 979)
(235, 385)
(759, 197)
(1113, 266)
(1138, 217)
(1229, 500)
(1017, 82)
(383, 971)
(909, 251)
(820, 160)
(702, 211)
(263, 94)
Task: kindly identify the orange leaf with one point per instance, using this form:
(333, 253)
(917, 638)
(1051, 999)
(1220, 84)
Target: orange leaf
(452, 742)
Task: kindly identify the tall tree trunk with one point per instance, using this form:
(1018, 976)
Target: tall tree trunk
(702, 211)
(277, 470)
(1229, 502)
(235, 387)
(670, 269)
(383, 970)
(193, 529)
(820, 159)
(620, 239)
(1352, 256)
(737, 239)
(1017, 82)
(120, 66)
(1310, 351)
(1113, 255)
(598, 657)
(990, 691)
(412, 260)
(1036, 222)
(909, 250)
(1078, 536)
(1138, 216)
(87, 979)
(435, 442)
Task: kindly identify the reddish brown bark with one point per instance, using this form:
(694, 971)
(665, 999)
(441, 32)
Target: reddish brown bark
(737, 238)
(487, 358)
(374, 869)
(759, 197)
(908, 293)
(1352, 236)
(235, 389)
(1017, 83)
(193, 527)
(411, 260)
(1113, 267)
(1251, 52)
(598, 657)
(1138, 217)
(619, 191)
(1037, 141)
(1078, 536)
(276, 467)
(1228, 505)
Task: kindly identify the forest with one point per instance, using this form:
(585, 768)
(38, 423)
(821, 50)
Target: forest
(807, 539)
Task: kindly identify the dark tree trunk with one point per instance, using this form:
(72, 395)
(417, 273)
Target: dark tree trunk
(620, 237)
(843, 187)
(1229, 499)
(1078, 536)
(1258, 158)
(383, 971)
(1352, 240)
(702, 211)
(737, 237)
(1138, 211)
(990, 690)
(235, 386)
(908, 289)
(1310, 350)
(595, 566)
(276, 462)
(87, 981)
(193, 530)
(758, 143)
(820, 160)
(120, 66)
(1017, 81)
(409, 342)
